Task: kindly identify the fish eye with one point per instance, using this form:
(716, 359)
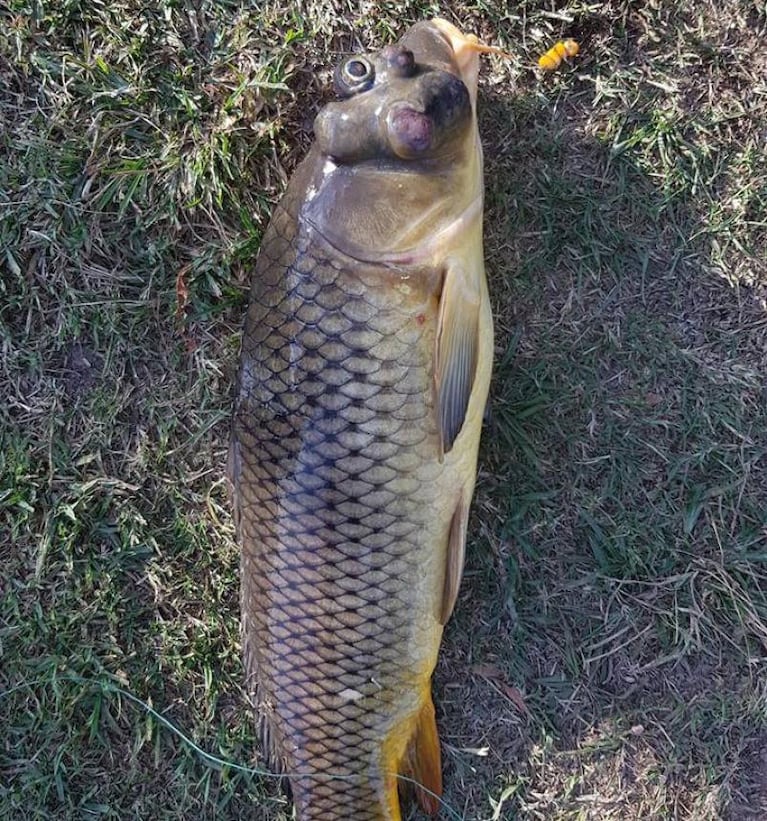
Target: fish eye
(357, 69)
(354, 75)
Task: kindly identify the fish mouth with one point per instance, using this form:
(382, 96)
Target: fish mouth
(440, 45)
(466, 49)
(465, 57)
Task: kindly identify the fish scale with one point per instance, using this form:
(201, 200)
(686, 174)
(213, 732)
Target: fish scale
(333, 498)
(364, 371)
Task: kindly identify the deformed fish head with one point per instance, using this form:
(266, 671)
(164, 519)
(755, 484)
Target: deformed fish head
(398, 157)
(408, 101)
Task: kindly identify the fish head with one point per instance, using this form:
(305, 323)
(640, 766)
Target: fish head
(410, 101)
(398, 155)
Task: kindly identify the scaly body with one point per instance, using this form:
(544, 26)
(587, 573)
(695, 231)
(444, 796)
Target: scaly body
(353, 461)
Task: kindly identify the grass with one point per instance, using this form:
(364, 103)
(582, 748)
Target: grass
(610, 638)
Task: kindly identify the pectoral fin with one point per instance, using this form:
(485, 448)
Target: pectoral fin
(456, 353)
(456, 553)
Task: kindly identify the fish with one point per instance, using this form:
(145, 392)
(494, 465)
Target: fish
(365, 366)
(552, 59)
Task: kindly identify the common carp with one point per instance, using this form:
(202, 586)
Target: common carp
(365, 367)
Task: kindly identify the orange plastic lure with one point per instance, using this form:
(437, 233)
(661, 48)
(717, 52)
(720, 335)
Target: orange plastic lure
(552, 59)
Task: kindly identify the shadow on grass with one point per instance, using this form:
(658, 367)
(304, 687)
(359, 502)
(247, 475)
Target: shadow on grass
(610, 637)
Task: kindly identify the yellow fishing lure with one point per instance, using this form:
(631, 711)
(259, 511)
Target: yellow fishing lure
(552, 59)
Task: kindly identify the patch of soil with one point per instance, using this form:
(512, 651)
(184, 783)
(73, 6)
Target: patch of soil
(750, 789)
(82, 368)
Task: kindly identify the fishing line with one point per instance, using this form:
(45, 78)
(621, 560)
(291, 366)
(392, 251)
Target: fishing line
(209, 758)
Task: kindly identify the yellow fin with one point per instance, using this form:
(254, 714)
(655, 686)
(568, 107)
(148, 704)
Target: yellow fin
(423, 760)
(456, 353)
(456, 551)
